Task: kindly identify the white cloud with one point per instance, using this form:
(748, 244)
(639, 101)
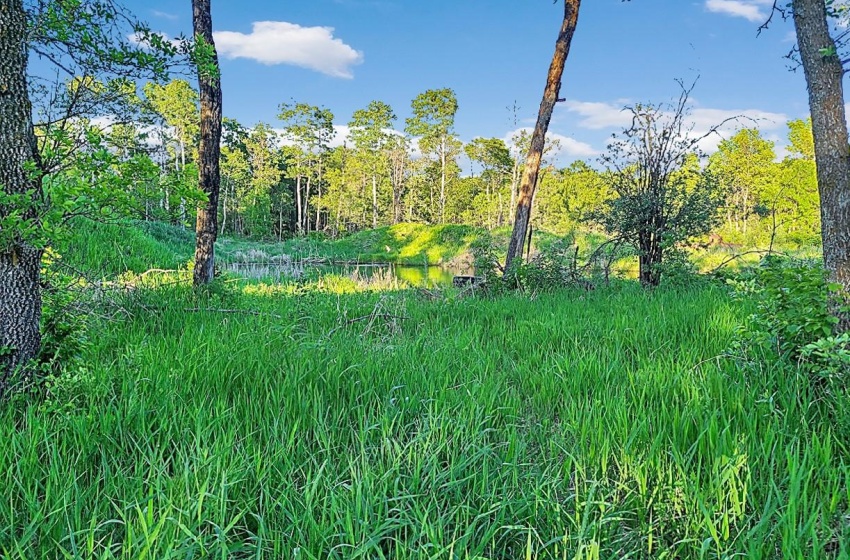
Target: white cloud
(567, 147)
(611, 116)
(165, 15)
(280, 42)
(342, 135)
(751, 10)
(703, 119)
(596, 115)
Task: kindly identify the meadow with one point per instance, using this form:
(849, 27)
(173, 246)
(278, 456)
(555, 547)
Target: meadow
(253, 420)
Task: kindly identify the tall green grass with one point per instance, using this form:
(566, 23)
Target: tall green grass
(605, 424)
(110, 249)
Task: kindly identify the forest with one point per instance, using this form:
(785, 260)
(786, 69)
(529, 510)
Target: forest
(318, 338)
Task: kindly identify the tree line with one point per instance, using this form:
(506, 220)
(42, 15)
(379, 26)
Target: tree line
(287, 180)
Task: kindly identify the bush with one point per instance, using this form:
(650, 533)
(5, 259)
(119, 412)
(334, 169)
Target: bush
(794, 325)
(794, 304)
(555, 266)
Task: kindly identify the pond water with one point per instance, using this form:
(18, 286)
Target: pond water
(414, 275)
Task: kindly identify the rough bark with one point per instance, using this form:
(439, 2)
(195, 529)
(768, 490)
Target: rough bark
(538, 139)
(824, 74)
(209, 149)
(20, 262)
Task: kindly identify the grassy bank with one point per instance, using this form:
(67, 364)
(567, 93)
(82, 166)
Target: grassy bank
(257, 422)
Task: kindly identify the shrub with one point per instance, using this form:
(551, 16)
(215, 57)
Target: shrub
(794, 325)
(794, 303)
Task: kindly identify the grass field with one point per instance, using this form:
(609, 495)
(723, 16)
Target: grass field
(255, 423)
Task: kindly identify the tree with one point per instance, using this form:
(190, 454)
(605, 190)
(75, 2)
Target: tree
(177, 104)
(310, 129)
(824, 76)
(265, 174)
(538, 139)
(744, 164)
(662, 198)
(371, 131)
(209, 147)
(568, 196)
(797, 196)
(397, 152)
(494, 157)
(85, 39)
(20, 259)
(433, 122)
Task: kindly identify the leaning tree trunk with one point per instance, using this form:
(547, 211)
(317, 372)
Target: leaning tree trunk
(20, 262)
(824, 73)
(209, 148)
(538, 139)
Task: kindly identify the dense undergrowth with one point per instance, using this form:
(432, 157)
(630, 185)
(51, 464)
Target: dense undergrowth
(247, 421)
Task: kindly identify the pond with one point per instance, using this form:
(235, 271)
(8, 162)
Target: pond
(418, 276)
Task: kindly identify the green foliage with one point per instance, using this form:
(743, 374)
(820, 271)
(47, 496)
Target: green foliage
(567, 197)
(93, 36)
(794, 305)
(793, 329)
(554, 267)
(829, 360)
(433, 115)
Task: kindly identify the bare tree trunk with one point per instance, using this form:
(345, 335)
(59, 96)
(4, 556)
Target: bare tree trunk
(824, 73)
(398, 163)
(20, 262)
(319, 201)
(501, 211)
(374, 202)
(443, 180)
(306, 201)
(298, 203)
(538, 139)
(209, 148)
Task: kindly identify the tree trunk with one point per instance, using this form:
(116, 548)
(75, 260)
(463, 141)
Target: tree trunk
(298, 204)
(20, 262)
(223, 213)
(538, 139)
(650, 259)
(319, 200)
(209, 148)
(824, 75)
(374, 202)
(307, 205)
(443, 181)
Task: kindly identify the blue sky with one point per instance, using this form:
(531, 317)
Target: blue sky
(342, 54)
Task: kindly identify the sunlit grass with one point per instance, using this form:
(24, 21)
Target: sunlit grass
(606, 424)
(344, 417)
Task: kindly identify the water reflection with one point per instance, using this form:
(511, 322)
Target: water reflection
(416, 276)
